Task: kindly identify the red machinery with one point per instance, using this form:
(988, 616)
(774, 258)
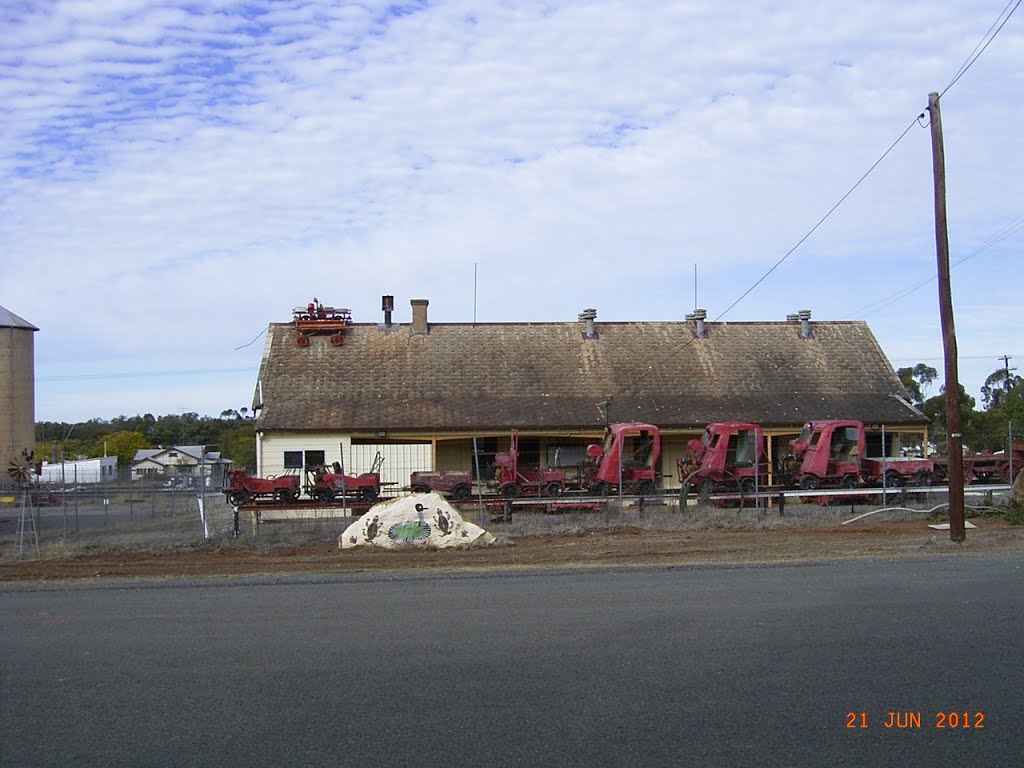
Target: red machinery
(630, 448)
(832, 453)
(324, 486)
(240, 488)
(456, 483)
(730, 456)
(986, 466)
(315, 319)
(512, 480)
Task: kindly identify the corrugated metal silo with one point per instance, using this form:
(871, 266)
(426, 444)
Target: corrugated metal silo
(17, 389)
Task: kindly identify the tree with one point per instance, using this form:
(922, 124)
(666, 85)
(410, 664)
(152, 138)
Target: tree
(917, 380)
(124, 445)
(935, 409)
(999, 383)
(238, 443)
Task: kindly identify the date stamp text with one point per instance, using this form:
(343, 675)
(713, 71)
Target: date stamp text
(907, 720)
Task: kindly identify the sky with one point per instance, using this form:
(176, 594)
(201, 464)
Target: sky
(175, 176)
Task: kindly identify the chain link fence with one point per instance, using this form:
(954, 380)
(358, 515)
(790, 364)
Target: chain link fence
(125, 512)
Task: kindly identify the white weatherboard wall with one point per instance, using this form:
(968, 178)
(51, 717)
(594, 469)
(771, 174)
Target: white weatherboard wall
(270, 449)
(400, 459)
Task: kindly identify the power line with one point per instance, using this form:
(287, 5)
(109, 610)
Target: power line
(141, 374)
(958, 357)
(821, 221)
(1012, 229)
(983, 43)
(784, 257)
(251, 342)
(979, 49)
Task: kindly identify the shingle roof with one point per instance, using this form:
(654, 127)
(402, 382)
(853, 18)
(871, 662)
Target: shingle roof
(464, 376)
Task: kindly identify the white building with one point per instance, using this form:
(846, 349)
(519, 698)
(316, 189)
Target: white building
(179, 461)
(100, 470)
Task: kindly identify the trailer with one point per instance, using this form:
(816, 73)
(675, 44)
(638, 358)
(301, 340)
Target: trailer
(324, 485)
(457, 484)
(987, 466)
(512, 480)
(241, 488)
(315, 319)
(831, 454)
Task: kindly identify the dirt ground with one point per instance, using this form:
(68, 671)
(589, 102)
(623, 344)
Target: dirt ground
(719, 539)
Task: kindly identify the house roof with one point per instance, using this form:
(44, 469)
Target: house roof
(548, 375)
(193, 451)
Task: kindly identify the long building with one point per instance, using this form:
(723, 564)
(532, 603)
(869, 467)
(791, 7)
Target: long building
(421, 394)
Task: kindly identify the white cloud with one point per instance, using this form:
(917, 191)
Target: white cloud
(220, 164)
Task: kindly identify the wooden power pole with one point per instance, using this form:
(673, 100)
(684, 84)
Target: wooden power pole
(954, 436)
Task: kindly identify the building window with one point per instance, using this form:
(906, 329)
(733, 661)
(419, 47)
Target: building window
(304, 459)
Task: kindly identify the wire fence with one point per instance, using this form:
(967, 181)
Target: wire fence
(119, 512)
(156, 514)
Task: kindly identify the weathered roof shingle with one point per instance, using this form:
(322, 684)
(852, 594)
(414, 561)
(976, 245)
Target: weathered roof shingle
(464, 376)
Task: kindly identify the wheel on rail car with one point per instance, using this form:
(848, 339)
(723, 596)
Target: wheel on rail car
(810, 482)
(600, 488)
(894, 480)
(238, 498)
(510, 490)
(553, 489)
(303, 340)
(923, 478)
(706, 489)
(420, 489)
(286, 496)
(646, 488)
(461, 492)
(337, 339)
(367, 493)
(323, 496)
(747, 486)
(1004, 473)
(848, 481)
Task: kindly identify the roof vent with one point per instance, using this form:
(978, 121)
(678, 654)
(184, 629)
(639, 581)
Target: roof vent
(793, 318)
(699, 316)
(804, 315)
(589, 316)
(387, 306)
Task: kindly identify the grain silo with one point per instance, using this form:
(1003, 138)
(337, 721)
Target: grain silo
(17, 389)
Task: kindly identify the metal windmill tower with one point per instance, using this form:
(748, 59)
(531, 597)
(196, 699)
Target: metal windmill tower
(20, 469)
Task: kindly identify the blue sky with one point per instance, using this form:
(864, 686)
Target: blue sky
(174, 177)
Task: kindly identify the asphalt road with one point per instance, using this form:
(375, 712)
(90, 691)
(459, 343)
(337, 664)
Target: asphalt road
(688, 666)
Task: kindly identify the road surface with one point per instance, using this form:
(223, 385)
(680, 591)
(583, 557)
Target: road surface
(706, 666)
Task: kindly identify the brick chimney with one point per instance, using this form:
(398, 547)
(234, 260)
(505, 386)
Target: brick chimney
(419, 316)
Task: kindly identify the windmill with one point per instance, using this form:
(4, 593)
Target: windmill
(21, 468)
